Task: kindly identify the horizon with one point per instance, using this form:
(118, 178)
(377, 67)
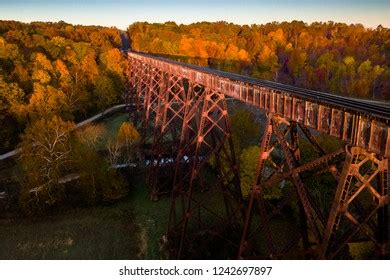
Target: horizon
(194, 22)
(122, 13)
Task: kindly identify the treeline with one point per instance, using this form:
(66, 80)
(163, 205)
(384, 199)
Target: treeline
(350, 60)
(55, 69)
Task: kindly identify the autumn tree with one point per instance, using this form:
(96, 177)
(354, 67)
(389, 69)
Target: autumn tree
(98, 180)
(45, 155)
(45, 102)
(320, 56)
(92, 135)
(128, 138)
(104, 93)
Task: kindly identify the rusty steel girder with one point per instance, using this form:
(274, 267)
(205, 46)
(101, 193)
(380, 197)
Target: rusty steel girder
(360, 199)
(358, 123)
(184, 119)
(155, 104)
(194, 122)
(168, 121)
(364, 177)
(282, 160)
(205, 137)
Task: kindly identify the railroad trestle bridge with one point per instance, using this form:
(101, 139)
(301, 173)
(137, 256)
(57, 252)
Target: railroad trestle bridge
(185, 106)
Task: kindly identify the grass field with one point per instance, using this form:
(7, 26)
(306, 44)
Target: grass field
(113, 122)
(129, 229)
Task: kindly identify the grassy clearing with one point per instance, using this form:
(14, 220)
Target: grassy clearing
(97, 233)
(114, 122)
(130, 229)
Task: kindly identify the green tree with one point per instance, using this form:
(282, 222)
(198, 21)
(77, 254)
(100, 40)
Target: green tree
(104, 92)
(248, 162)
(245, 130)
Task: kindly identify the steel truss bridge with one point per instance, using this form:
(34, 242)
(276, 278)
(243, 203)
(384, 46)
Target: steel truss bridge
(183, 113)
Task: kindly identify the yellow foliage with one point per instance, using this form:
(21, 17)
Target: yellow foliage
(231, 52)
(278, 36)
(200, 48)
(89, 65)
(113, 60)
(186, 46)
(59, 41)
(41, 62)
(265, 53)
(61, 68)
(128, 134)
(45, 101)
(11, 98)
(41, 76)
(243, 55)
(9, 50)
(91, 135)
(349, 60)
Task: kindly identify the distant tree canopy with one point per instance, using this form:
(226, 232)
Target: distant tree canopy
(334, 57)
(55, 69)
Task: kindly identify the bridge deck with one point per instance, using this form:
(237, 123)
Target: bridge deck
(361, 123)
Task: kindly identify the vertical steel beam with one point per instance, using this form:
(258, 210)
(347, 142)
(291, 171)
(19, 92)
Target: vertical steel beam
(383, 213)
(205, 133)
(257, 194)
(169, 119)
(359, 173)
(310, 215)
(297, 155)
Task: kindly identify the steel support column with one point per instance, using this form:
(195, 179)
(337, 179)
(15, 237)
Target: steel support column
(279, 159)
(205, 137)
(168, 122)
(346, 221)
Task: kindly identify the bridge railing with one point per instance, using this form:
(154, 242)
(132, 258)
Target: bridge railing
(359, 123)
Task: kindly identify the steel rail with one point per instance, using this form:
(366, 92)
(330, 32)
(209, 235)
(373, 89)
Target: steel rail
(381, 111)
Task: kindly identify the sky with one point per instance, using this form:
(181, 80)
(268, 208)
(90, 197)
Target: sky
(121, 13)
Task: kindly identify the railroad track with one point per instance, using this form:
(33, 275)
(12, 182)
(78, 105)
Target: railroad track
(380, 110)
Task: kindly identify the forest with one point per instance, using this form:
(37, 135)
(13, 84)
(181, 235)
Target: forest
(349, 60)
(54, 75)
(55, 69)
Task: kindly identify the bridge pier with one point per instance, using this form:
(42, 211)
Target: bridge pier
(279, 160)
(205, 137)
(156, 100)
(356, 203)
(172, 97)
(360, 206)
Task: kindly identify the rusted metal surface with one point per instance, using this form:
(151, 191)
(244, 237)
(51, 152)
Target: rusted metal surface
(345, 119)
(185, 105)
(360, 202)
(361, 170)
